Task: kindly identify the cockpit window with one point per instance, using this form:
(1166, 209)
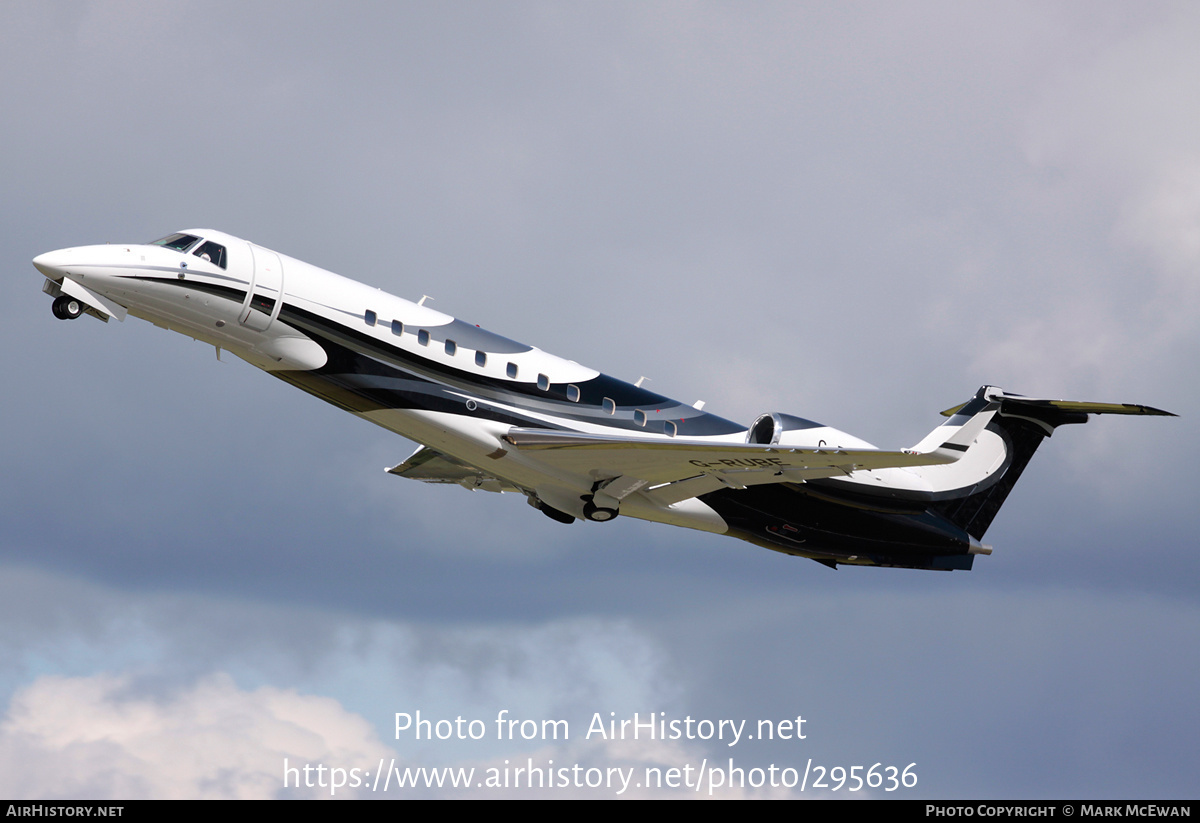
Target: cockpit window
(212, 252)
(179, 242)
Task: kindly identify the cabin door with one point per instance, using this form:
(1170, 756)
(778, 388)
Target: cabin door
(264, 295)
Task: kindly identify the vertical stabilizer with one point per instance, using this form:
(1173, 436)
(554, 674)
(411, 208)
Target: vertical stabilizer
(1016, 428)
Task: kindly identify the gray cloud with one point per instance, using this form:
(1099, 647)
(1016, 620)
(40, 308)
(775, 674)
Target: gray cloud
(853, 215)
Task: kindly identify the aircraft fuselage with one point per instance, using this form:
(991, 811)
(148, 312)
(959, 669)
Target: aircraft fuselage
(477, 402)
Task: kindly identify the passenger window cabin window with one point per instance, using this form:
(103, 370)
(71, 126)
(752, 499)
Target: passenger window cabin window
(511, 371)
(481, 359)
(451, 347)
(370, 317)
(397, 327)
(639, 417)
(543, 382)
(423, 337)
(573, 393)
(608, 405)
(212, 252)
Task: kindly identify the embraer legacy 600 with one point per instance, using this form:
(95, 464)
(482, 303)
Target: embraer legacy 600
(501, 416)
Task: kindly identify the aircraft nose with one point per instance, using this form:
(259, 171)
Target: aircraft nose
(53, 264)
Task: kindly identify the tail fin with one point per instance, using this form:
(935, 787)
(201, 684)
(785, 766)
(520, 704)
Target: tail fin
(970, 492)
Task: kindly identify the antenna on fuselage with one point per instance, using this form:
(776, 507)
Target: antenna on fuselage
(641, 380)
(424, 297)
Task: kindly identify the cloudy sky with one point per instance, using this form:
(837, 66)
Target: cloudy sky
(857, 214)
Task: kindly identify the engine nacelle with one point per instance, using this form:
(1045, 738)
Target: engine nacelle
(787, 430)
(770, 429)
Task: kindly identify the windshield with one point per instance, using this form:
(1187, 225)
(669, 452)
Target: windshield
(179, 242)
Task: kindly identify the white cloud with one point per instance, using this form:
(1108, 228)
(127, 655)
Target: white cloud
(112, 736)
(103, 737)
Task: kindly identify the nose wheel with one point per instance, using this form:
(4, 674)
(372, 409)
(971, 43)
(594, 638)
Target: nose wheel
(66, 307)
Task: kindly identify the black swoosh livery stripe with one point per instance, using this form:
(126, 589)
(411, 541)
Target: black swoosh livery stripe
(358, 361)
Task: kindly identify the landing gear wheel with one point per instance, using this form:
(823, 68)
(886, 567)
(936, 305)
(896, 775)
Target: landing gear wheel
(66, 307)
(598, 513)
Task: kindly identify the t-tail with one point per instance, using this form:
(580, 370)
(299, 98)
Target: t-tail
(971, 491)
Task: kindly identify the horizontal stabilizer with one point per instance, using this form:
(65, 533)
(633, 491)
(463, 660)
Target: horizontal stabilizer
(1011, 403)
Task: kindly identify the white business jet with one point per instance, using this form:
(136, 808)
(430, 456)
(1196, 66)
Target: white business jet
(497, 415)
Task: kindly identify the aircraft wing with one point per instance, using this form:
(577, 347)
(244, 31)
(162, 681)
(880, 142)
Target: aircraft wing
(431, 466)
(674, 470)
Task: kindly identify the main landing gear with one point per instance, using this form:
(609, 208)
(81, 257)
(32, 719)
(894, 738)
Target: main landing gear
(598, 506)
(598, 513)
(66, 307)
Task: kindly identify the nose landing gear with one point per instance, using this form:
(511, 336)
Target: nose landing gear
(66, 307)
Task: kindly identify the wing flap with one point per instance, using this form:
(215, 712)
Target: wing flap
(431, 466)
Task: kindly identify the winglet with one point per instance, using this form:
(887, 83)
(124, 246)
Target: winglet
(956, 445)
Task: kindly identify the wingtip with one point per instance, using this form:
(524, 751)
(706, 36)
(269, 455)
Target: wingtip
(1158, 412)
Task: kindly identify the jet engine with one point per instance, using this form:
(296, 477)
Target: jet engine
(777, 429)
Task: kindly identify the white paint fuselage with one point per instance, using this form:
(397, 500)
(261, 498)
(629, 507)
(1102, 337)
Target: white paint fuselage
(499, 415)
